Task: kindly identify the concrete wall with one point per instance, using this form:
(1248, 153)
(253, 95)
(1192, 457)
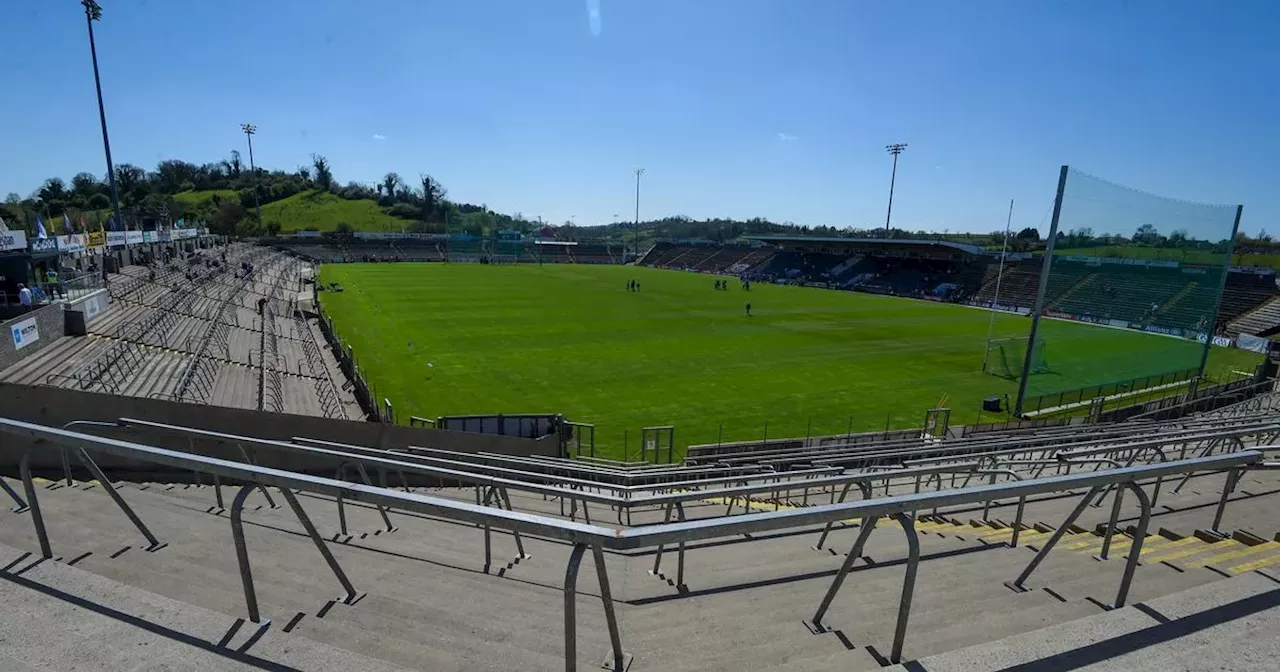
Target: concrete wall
(82, 311)
(55, 407)
(50, 325)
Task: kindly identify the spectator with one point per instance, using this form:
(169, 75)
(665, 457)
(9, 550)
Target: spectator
(24, 297)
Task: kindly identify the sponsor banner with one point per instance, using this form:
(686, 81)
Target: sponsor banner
(1098, 261)
(148, 236)
(24, 333)
(1252, 269)
(44, 246)
(161, 237)
(1253, 343)
(1218, 341)
(133, 237)
(307, 234)
(1156, 329)
(71, 243)
(116, 238)
(13, 240)
(97, 240)
(181, 234)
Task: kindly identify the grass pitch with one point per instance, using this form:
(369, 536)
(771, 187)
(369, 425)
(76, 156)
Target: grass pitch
(571, 339)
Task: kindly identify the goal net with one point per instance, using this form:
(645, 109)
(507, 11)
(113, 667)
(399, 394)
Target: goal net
(1005, 357)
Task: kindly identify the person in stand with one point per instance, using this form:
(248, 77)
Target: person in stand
(748, 309)
(24, 297)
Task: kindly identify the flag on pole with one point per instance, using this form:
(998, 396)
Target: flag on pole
(66, 224)
(83, 228)
(40, 233)
(179, 224)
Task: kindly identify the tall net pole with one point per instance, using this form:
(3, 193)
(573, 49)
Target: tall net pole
(1004, 251)
(1044, 285)
(1211, 327)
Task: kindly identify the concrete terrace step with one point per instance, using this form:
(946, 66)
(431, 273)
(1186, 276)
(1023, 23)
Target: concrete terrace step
(60, 617)
(1227, 626)
(292, 581)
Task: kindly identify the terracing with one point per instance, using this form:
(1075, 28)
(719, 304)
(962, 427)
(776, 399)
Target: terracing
(941, 554)
(224, 327)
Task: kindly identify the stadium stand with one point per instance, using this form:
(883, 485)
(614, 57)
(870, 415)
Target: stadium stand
(222, 327)
(975, 552)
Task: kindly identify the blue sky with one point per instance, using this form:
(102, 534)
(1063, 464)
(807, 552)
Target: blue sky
(775, 108)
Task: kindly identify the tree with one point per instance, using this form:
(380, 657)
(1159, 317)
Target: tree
(433, 194)
(1146, 234)
(226, 220)
(85, 185)
(1029, 233)
(98, 201)
(53, 190)
(234, 165)
(390, 183)
(323, 176)
(1178, 238)
(131, 182)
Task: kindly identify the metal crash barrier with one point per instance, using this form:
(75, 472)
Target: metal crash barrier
(598, 538)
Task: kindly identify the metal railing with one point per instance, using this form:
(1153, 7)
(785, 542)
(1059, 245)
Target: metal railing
(1128, 386)
(596, 538)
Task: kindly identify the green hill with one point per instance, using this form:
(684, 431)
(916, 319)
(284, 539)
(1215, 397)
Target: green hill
(309, 210)
(322, 211)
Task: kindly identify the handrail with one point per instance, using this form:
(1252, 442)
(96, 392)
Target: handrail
(598, 538)
(1043, 436)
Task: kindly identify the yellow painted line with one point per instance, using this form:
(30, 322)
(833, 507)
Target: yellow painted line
(1177, 543)
(1122, 542)
(1188, 552)
(1235, 555)
(1256, 564)
(1086, 540)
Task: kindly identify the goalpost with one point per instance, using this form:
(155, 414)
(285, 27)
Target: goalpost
(1004, 357)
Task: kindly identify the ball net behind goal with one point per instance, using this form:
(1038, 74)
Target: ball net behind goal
(1133, 287)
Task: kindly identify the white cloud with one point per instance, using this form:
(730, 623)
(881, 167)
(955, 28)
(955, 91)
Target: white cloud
(379, 136)
(786, 137)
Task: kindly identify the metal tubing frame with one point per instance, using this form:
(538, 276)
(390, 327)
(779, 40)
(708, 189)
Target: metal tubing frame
(92, 466)
(1016, 584)
(606, 597)
(616, 539)
(13, 494)
(37, 519)
(242, 553)
(907, 522)
(571, 607)
(310, 528)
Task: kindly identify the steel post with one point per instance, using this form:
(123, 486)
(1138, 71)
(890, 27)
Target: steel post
(1233, 476)
(606, 597)
(1111, 524)
(13, 494)
(1016, 584)
(37, 519)
(908, 584)
(115, 497)
(571, 607)
(242, 552)
(303, 518)
(868, 524)
(1135, 551)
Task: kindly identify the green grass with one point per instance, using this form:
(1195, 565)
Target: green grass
(194, 198)
(571, 339)
(323, 211)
